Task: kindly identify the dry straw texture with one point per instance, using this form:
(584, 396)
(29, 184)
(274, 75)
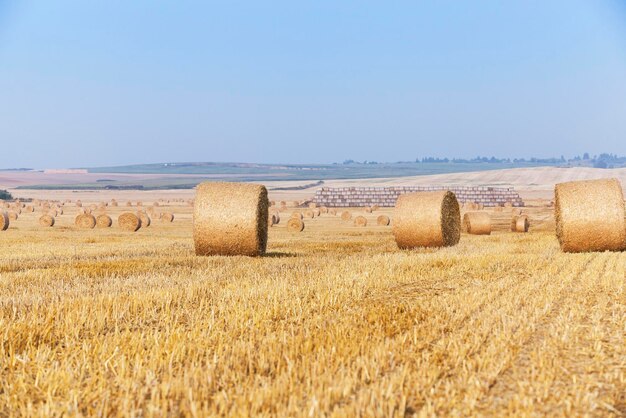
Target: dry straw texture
(145, 219)
(13, 215)
(316, 212)
(309, 214)
(590, 216)
(427, 219)
(104, 221)
(346, 216)
(167, 217)
(4, 221)
(360, 221)
(383, 220)
(230, 219)
(128, 221)
(85, 221)
(46, 221)
(368, 209)
(295, 225)
(29, 209)
(477, 223)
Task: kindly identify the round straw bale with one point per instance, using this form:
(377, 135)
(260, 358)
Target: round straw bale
(346, 216)
(145, 219)
(383, 220)
(590, 216)
(29, 209)
(477, 223)
(230, 219)
(368, 209)
(360, 221)
(79, 204)
(128, 221)
(297, 215)
(375, 207)
(272, 203)
(13, 215)
(129, 204)
(277, 216)
(114, 203)
(139, 204)
(427, 219)
(155, 204)
(508, 204)
(317, 212)
(4, 221)
(312, 205)
(104, 221)
(522, 224)
(323, 209)
(332, 212)
(295, 225)
(52, 212)
(46, 220)
(85, 221)
(514, 223)
(59, 211)
(309, 214)
(167, 217)
(295, 203)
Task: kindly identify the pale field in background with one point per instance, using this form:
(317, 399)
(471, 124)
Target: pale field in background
(333, 321)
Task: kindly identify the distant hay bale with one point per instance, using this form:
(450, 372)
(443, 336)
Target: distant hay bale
(375, 207)
(427, 219)
(498, 209)
(272, 203)
(522, 224)
(167, 217)
(145, 219)
(29, 209)
(59, 211)
(52, 212)
(480, 206)
(317, 212)
(309, 214)
(477, 223)
(312, 205)
(139, 204)
(230, 219)
(332, 212)
(85, 221)
(114, 203)
(514, 223)
(383, 220)
(368, 209)
(590, 216)
(104, 221)
(295, 225)
(295, 203)
(360, 221)
(155, 204)
(323, 209)
(297, 215)
(4, 221)
(128, 221)
(277, 215)
(346, 216)
(271, 220)
(13, 215)
(46, 221)
(508, 204)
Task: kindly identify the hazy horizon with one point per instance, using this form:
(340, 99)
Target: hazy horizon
(116, 83)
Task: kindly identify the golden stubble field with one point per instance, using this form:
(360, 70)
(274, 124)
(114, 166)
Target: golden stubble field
(334, 321)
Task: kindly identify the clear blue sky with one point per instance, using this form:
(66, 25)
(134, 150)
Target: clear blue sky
(86, 83)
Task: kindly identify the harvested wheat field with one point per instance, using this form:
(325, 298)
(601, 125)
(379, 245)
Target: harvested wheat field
(333, 321)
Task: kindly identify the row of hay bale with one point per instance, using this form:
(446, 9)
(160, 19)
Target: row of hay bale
(232, 219)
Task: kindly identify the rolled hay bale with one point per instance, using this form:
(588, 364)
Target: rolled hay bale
(272, 203)
(297, 215)
(29, 209)
(104, 221)
(128, 221)
(230, 219)
(139, 204)
(317, 212)
(477, 223)
(346, 216)
(13, 215)
(129, 204)
(271, 220)
(514, 223)
(323, 209)
(309, 214)
(52, 212)
(167, 217)
(312, 205)
(79, 204)
(522, 224)
(375, 207)
(427, 219)
(4, 221)
(60, 211)
(85, 221)
(46, 221)
(295, 203)
(498, 209)
(368, 209)
(114, 203)
(295, 225)
(508, 204)
(360, 221)
(590, 216)
(383, 220)
(155, 204)
(277, 215)
(145, 219)
(332, 212)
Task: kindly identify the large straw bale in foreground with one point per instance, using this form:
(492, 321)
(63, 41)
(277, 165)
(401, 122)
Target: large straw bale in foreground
(4, 221)
(46, 221)
(590, 216)
(85, 221)
(477, 223)
(104, 221)
(427, 219)
(230, 219)
(128, 221)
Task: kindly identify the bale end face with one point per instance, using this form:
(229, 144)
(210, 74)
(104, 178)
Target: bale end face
(230, 219)
(427, 219)
(590, 216)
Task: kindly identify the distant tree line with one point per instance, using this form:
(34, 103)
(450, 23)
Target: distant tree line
(4, 195)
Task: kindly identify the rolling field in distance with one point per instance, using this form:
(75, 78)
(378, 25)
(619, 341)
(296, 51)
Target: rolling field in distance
(332, 321)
